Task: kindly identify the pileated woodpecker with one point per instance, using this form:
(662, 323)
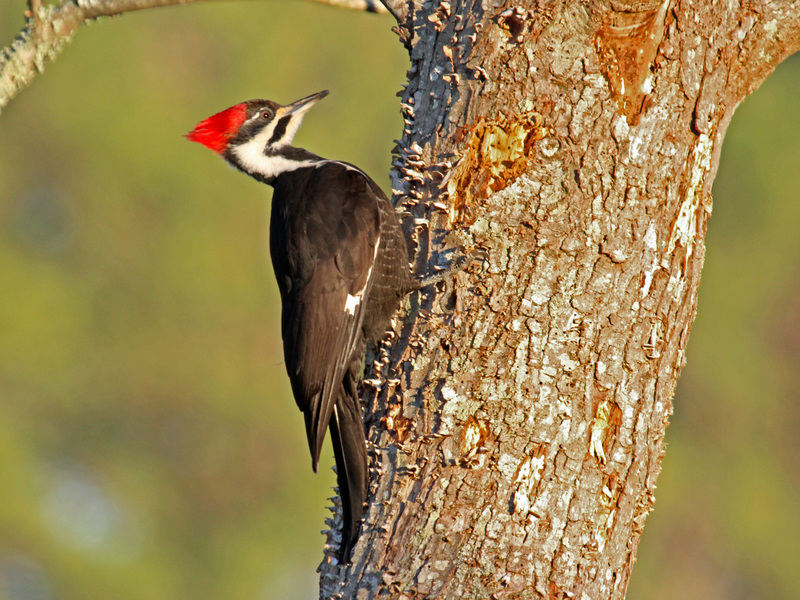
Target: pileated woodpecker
(341, 261)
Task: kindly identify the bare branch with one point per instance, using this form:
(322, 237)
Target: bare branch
(47, 31)
(398, 8)
(49, 28)
(766, 37)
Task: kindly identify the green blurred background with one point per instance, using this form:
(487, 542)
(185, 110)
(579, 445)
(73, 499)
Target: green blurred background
(149, 447)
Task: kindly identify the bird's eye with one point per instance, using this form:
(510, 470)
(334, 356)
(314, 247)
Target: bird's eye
(266, 114)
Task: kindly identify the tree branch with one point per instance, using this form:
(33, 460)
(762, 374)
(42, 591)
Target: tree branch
(398, 9)
(49, 28)
(766, 35)
(46, 32)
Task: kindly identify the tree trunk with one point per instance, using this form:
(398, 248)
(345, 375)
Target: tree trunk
(518, 419)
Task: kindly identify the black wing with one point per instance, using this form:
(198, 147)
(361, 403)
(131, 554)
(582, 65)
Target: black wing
(323, 249)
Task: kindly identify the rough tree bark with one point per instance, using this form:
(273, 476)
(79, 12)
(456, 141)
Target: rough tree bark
(518, 422)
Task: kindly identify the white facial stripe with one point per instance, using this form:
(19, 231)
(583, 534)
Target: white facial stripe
(251, 156)
(265, 135)
(255, 117)
(291, 129)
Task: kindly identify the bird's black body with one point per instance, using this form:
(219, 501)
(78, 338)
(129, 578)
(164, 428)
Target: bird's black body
(341, 261)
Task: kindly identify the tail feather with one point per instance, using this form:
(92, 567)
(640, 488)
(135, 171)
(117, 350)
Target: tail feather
(350, 451)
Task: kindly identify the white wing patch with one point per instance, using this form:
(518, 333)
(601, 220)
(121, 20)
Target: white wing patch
(352, 303)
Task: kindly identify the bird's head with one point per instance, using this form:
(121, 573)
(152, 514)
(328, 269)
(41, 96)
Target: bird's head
(254, 135)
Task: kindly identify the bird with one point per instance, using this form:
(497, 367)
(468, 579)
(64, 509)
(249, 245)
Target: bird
(341, 260)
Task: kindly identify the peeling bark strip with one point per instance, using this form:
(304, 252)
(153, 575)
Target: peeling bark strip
(518, 420)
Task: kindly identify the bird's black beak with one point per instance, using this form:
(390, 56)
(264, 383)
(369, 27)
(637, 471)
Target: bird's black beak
(302, 105)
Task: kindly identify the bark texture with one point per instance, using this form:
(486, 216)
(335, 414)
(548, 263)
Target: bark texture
(518, 416)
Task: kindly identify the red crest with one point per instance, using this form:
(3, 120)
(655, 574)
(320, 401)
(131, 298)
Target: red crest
(215, 131)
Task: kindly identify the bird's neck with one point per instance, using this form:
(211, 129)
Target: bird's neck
(267, 165)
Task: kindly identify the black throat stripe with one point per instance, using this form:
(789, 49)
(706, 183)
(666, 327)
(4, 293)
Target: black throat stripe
(280, 129)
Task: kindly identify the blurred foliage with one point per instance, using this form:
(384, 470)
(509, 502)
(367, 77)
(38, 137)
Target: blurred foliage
(149, 446)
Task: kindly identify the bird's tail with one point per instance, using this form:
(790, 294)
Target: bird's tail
(350, 451)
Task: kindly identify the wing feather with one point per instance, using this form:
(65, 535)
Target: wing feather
(323, 249)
